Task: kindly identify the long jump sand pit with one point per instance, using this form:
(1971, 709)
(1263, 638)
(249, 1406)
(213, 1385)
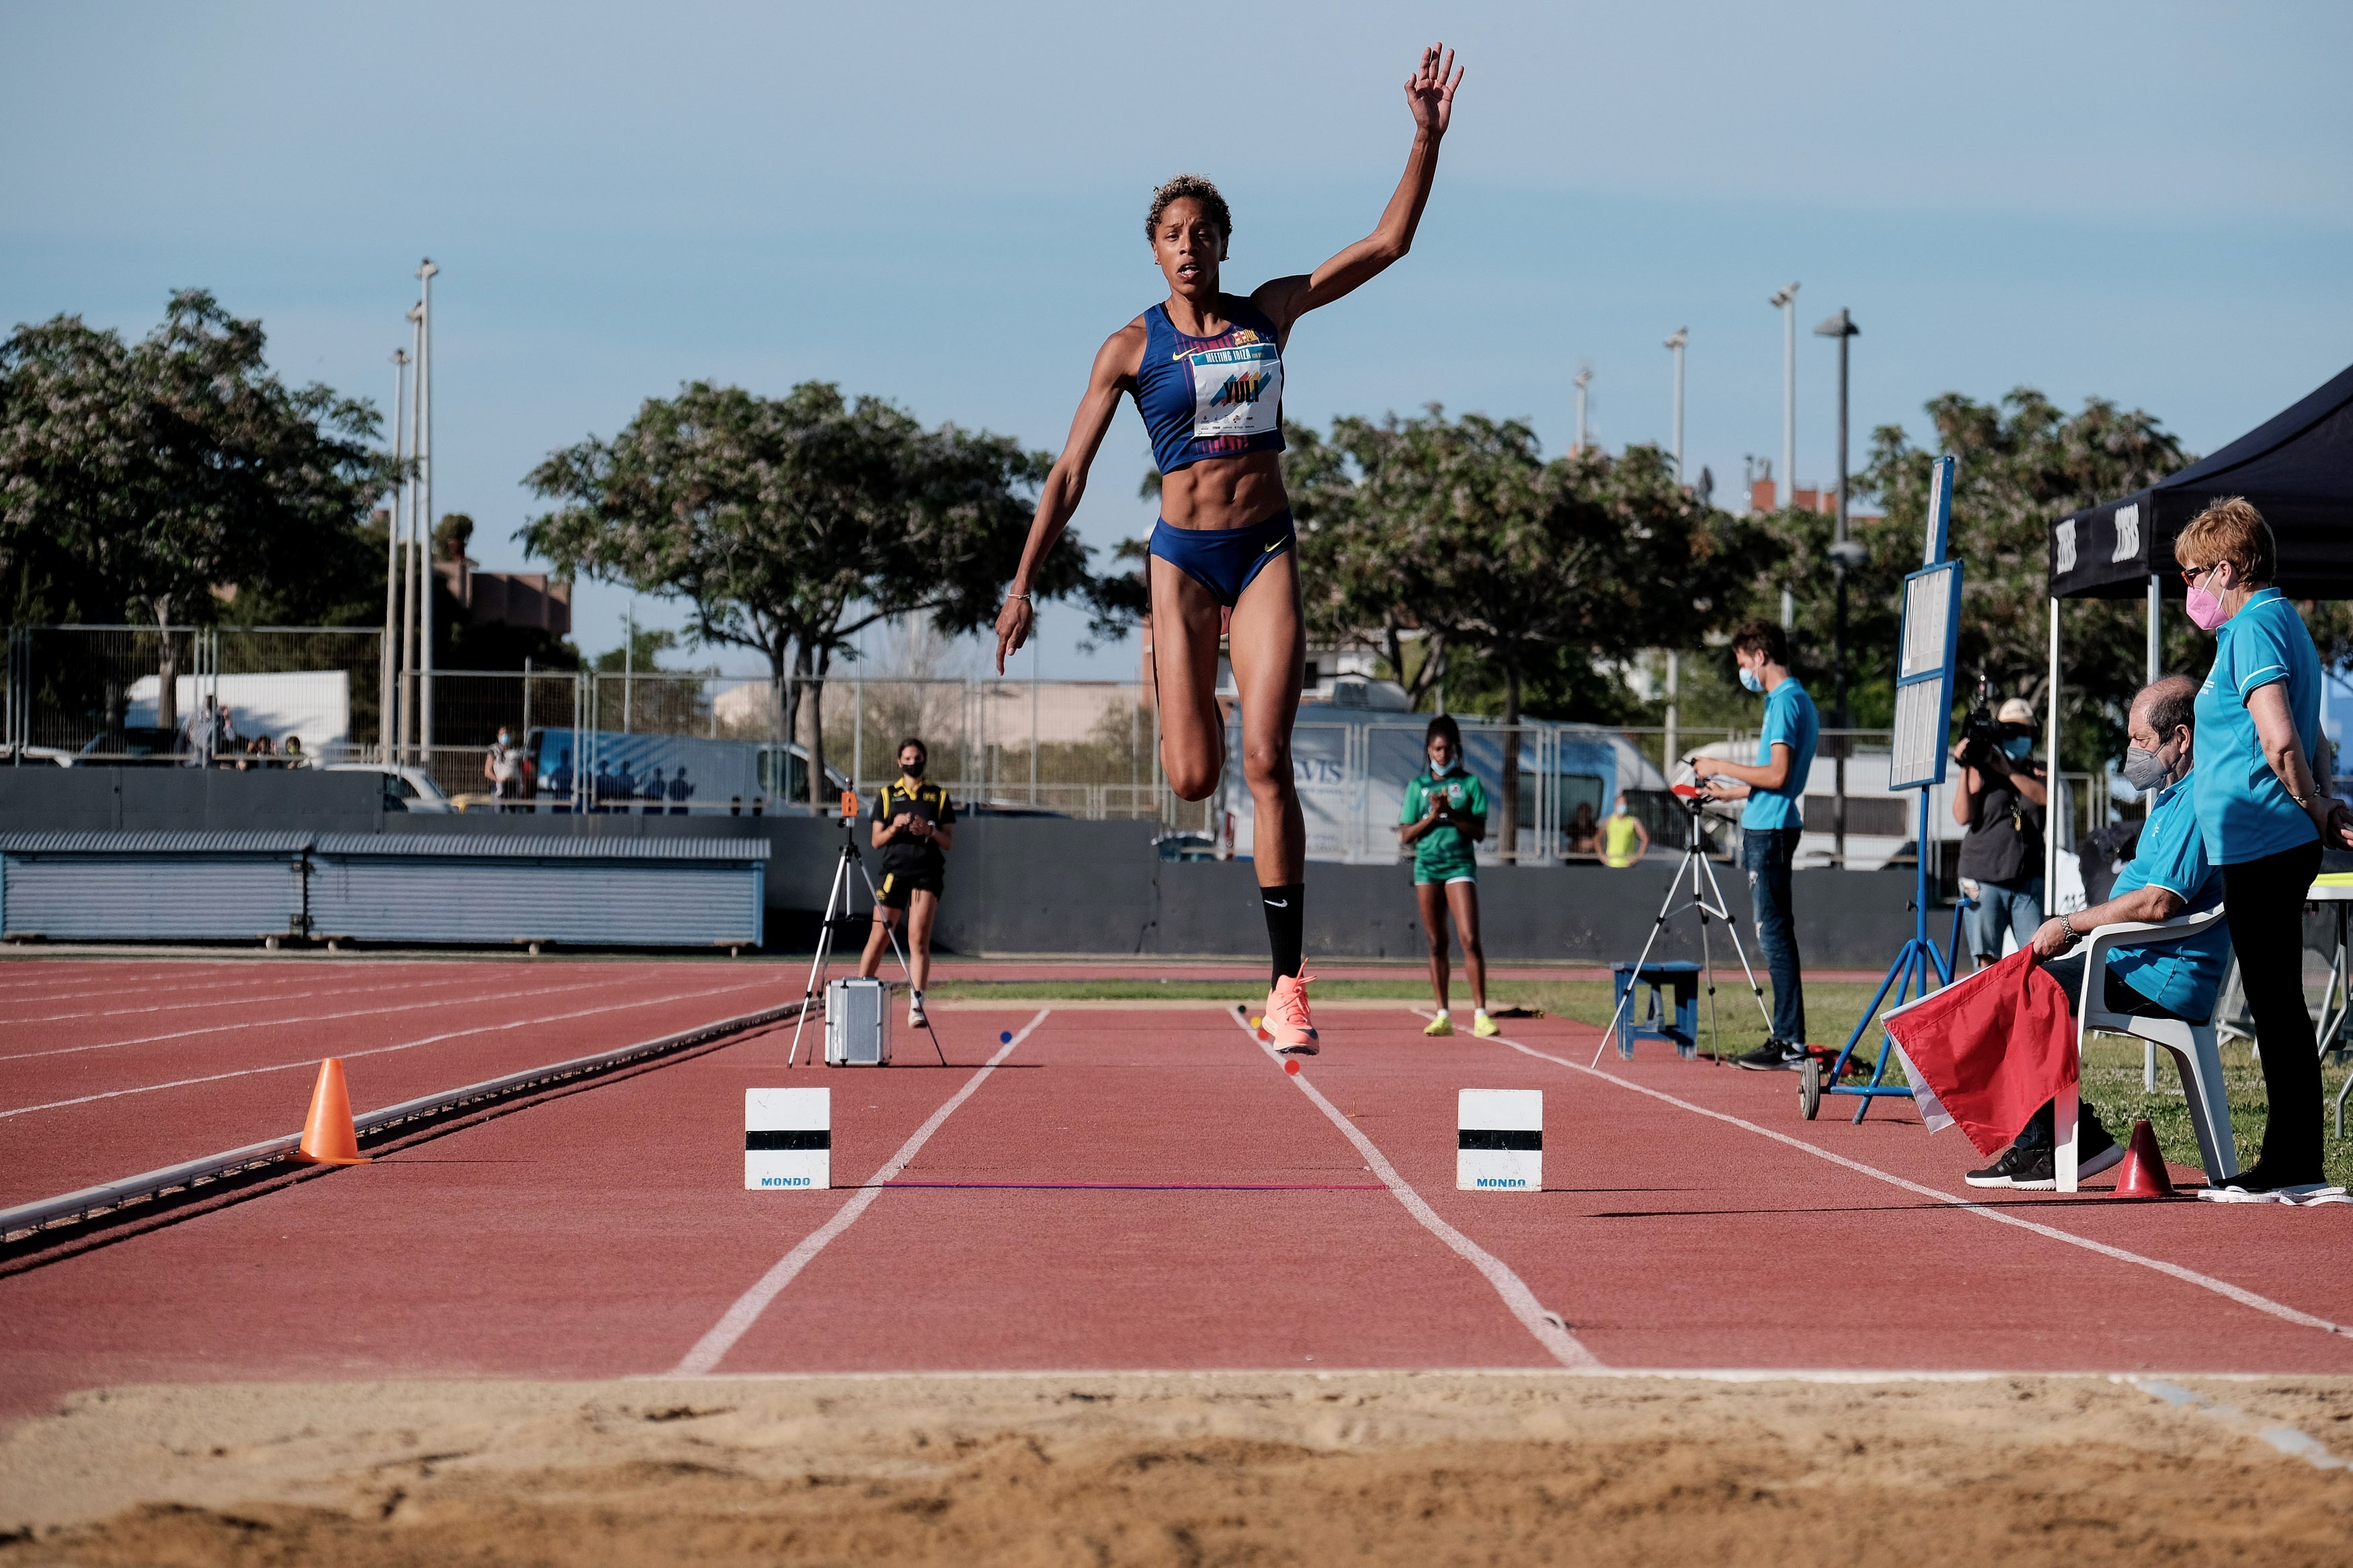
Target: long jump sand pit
(1241, 1468)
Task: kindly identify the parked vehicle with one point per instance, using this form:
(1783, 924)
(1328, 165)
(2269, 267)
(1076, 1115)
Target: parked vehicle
(141, 746)
(405, 788)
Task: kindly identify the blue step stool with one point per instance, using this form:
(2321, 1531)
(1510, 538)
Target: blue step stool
(1683, 977)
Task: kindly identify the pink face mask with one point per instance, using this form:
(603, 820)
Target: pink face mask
(2204, 608)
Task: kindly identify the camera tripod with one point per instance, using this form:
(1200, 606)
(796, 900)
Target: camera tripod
(838, 897)
(1708, 902)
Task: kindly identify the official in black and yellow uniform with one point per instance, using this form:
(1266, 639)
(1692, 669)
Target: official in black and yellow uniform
(914, 827)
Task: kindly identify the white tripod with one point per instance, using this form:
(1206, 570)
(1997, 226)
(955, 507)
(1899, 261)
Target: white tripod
(838, 897)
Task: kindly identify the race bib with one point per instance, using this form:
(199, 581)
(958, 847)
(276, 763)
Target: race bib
(1237, 390)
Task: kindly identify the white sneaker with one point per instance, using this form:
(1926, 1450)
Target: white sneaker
(915, 1019)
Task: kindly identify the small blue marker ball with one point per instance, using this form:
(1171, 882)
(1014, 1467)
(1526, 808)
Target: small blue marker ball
(1004, 1037)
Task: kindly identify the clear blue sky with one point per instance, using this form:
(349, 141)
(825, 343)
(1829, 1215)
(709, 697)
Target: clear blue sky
(943, 204)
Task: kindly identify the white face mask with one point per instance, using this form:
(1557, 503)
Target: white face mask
(1750, 680)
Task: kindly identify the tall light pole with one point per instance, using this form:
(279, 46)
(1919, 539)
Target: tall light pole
(388, 698)
(1584, 379)
(1675, 345)
(1845, 556)
(425, 272)
(1788, 301)
(411, 554)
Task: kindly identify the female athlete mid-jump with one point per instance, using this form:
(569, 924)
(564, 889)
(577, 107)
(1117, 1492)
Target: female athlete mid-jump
(1206, 370)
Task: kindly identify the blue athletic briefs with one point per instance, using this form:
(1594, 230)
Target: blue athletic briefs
(1790, 719)
(1224, 560)
(2243, 809)
(2181, 978)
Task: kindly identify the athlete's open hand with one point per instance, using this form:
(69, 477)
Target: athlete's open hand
(1014, 623)
(1430, 91)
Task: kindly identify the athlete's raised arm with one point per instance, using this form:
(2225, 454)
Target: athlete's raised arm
(1429, 94)
(1114, 373)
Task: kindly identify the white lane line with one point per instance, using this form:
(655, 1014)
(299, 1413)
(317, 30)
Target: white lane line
(1521, 1301)
(249, 998)
(308, 1062)
(2187, 1276)
(737, 1320)
(119, 987)
(251, 1025)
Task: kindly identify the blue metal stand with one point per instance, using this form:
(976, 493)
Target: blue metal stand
(1679, 975)
(1908, 976)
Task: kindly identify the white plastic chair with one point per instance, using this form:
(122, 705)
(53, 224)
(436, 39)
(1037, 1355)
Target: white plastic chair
(2196, 1048)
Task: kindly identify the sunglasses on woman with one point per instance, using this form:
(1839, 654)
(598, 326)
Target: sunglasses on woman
(2189, 576)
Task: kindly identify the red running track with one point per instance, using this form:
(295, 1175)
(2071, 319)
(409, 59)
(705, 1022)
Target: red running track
(605, 1233)
(107, 1074)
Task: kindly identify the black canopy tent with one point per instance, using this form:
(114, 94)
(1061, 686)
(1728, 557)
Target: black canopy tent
(2297, 469)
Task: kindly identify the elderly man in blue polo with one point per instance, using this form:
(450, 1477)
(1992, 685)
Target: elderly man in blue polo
(2167, 875)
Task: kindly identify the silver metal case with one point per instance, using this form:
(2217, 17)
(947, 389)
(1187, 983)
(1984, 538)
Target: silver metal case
(856, 1024)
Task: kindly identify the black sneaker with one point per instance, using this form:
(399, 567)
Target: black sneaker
(2041, 1174)
(2006, 1168)
(1773, 1056)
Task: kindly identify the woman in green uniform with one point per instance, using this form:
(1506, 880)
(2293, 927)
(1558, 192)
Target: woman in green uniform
(1445, 814)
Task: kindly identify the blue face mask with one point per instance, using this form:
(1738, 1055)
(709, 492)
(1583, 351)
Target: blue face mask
(2019, 747)
(1750, 680)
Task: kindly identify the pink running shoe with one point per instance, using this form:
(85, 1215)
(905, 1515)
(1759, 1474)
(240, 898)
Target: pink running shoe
(1287, 1018)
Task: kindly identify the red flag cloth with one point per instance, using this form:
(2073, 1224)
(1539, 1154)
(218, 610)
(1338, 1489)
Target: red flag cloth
(1987, 1051)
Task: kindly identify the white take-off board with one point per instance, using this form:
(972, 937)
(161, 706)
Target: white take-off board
(787, 1139)
(1499, 1139)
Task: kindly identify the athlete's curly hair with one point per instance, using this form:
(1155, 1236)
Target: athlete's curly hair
(1213, 205)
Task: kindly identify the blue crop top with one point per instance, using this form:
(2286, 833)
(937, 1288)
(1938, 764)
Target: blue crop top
(1210, 397)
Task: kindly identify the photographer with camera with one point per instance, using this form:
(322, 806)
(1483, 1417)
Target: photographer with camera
(1999, 796)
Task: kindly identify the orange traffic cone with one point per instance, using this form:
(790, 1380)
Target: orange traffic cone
(328, 1138)
(2143, 1175)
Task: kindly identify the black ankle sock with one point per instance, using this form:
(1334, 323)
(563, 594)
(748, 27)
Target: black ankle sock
(1285, 924)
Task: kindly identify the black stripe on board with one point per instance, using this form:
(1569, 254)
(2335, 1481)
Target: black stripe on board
(757, 1142)
(1532, 1141)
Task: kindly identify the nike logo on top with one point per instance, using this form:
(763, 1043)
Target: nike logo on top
(1278, 903)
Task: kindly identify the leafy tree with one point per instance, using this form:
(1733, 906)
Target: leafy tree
(137, 479)
(1458, 529)
(791, 524)
(2022, 463)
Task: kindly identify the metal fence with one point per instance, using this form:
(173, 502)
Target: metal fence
(145, 694)
(687, 743)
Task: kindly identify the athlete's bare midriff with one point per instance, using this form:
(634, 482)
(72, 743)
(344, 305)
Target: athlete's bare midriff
(1224, 492)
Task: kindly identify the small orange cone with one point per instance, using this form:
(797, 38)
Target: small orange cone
(328, 1138)
(2143, 1175)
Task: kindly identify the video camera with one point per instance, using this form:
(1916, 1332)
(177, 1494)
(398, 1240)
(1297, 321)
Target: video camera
(1983, 735)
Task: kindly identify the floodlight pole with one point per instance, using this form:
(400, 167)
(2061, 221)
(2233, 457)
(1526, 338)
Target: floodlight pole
(410, 550)
(425, 272)
(1680, 336)
(1788, 301)
(388, 693)
(1584, 379)
(1844, 556)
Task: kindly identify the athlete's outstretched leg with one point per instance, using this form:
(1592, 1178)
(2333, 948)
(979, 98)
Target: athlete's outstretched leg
(1268, 649)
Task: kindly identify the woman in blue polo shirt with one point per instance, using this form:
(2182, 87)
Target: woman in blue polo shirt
(2264, 816)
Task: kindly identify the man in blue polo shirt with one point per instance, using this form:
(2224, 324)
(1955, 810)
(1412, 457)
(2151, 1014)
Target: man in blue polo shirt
(1770, 825)
(2168, 874)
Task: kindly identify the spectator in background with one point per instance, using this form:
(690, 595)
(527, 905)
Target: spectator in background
(503, 766)
(2263, 815)
(296, 757)
(203, 729)
(1999, 797)
(655, 792)
(1771, 825)
(1583, 834)
(680, 792)
(1624, 839)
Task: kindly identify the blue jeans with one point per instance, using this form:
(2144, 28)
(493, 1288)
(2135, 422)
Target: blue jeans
(2015, 906)
(1765, 854)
